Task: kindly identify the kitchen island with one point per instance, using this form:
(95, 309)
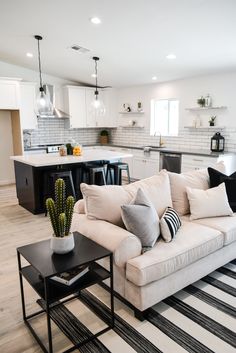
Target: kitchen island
(30, 171)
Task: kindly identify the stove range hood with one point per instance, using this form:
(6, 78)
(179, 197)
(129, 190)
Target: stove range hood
(57, 113)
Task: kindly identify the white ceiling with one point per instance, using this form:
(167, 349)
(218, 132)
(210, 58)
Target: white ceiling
(132, 42)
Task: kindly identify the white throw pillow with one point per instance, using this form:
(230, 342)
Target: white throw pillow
(104, 202)
(197, 179)
(208, 203)
(157, 189)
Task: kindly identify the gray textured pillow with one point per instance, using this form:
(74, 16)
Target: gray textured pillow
(141, 219)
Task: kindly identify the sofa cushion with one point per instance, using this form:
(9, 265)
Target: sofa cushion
(208, 203)
(157, 189)
(197, 179)
(141, 219)
(226, 225)
(104, 202)
(193, 242)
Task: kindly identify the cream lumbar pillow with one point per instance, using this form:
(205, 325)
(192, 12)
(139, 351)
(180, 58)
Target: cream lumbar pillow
(197, 179)
(141, 219)
(208, 203)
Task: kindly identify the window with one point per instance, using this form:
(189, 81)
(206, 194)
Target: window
(164, 117)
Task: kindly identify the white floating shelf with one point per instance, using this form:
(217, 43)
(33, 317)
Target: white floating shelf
(205, 127)
(205, 108)
(132, 112)
(132, 126)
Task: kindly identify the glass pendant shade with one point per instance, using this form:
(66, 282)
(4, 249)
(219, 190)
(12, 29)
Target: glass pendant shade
(98, 106)
(43, 104)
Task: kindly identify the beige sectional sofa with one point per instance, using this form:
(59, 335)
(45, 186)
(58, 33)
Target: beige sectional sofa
(200, 246)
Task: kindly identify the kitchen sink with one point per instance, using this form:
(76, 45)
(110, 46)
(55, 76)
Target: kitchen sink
(153, 147)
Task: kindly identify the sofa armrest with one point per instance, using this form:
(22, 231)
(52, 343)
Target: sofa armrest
(79, 207)
(122, 243)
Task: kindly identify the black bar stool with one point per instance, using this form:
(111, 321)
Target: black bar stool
(117, 169)
(49, 183)
(94, 174)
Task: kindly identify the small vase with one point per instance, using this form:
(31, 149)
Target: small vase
(212, 123)
(62, 245)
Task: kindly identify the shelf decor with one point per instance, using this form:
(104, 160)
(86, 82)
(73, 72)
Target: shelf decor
(60, 213)
(212, 120)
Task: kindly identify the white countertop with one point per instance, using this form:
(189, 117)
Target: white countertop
(43, 159)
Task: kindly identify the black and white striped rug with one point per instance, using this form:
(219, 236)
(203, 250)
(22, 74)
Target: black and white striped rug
(199, 319)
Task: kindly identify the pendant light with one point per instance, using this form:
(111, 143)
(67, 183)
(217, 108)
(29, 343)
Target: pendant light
(44, 105)
(97, 103)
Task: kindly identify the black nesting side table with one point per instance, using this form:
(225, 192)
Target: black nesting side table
(43, 265)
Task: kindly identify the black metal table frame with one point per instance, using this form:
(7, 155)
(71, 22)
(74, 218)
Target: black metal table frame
(47, 310)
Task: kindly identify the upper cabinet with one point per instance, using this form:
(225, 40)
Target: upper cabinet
(78, 104)
(75, 106)
(9, 94)
(28, 116)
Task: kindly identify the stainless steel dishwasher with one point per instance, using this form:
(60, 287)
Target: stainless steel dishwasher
(170, 161)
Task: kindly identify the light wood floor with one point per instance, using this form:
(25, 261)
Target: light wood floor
(17, 227)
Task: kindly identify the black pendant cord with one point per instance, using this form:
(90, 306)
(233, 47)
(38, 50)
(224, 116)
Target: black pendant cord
(95, 58)
(39, 61)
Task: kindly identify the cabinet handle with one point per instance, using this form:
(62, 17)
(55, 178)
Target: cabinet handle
(197, 160)
(26, 181)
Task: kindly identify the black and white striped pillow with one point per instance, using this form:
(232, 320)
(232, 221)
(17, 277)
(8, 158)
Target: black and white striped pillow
(170, 224)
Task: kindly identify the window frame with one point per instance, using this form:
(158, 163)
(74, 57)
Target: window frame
(153, 130)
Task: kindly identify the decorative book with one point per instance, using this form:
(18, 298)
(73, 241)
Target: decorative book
(70, 277)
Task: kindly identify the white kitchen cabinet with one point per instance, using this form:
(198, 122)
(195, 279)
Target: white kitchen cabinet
(28, 118)
(145, 164)
(195, 162)
(75, 106)
(9, 94)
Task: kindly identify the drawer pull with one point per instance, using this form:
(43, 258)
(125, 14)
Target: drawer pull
(197, 160)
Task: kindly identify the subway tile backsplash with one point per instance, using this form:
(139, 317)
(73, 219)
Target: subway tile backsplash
(56, 131)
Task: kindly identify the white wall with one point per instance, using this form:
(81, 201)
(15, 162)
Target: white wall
(221, 87)
(6, 149)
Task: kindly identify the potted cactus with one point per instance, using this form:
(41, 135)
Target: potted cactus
(60, 212)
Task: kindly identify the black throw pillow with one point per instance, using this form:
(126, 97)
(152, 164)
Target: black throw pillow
(216, 178)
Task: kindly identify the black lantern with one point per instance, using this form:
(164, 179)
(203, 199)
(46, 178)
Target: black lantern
(217, 143)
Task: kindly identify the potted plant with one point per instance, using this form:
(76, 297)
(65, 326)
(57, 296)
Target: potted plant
(201, 101)
(212, 120)
(104, 137)
(60, 212)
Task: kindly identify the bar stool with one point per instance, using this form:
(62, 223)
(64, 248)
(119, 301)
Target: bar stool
(94, 174)
(49, 183)
(117, 169)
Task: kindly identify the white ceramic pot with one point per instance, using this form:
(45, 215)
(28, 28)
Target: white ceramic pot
(62, 245)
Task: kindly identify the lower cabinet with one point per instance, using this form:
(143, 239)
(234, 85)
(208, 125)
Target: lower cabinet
(195, 162)
(145, 165)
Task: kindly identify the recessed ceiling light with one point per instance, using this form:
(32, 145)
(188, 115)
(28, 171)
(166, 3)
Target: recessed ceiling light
(154, 78)
(171, 56)
(29, 55)
(93, 75)
(95, 20)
